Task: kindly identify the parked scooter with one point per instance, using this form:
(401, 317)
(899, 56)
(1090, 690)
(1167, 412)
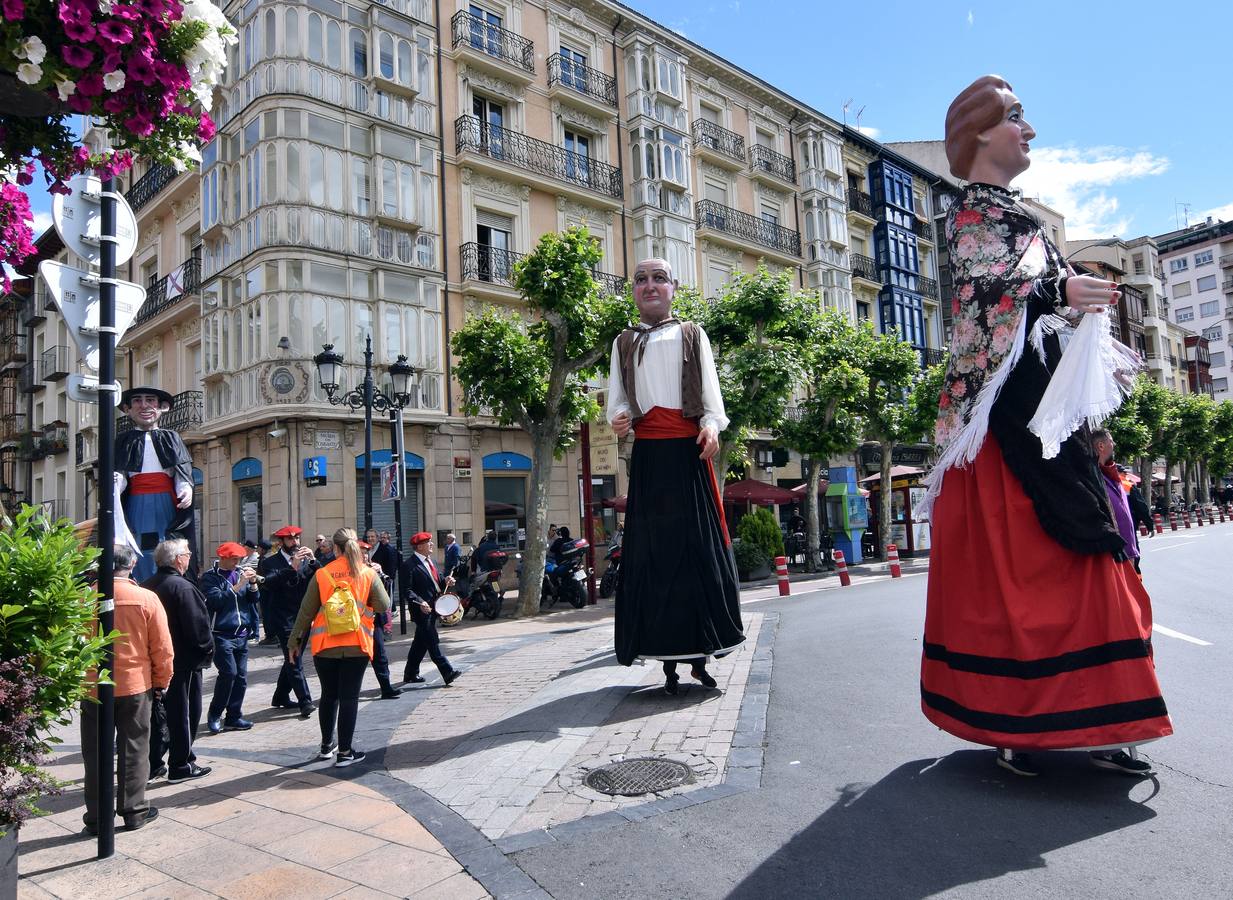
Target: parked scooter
(565, 578)
(481, 592)
(607, 584)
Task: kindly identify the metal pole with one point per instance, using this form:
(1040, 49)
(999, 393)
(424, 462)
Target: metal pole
(367, 435)
(106, 804)
(396, 443)
(588, 520)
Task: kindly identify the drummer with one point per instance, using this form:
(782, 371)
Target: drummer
(421, 584)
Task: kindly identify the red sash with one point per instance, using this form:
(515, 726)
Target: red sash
(661, 424)
(151, 483)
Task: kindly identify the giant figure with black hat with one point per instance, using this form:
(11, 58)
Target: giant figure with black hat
(677, 597)
(154, 475)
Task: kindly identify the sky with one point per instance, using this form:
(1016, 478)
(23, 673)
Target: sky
(1131, 101)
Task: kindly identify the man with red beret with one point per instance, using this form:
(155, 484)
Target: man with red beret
(231, 597)
(287, 573)
(421, 583)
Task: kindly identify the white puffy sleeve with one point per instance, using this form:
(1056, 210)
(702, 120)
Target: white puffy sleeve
(617, 401)
(712, 398)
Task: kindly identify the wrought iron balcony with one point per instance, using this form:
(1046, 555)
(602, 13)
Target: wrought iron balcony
(496, 266)
(516, 149)
(30, 382)
(55, 438)
(12, 426)
(708, 135)
(741, 224)
(186, 414)
(32, 310)
(56, 509)
(12, 347)
(54, 363)
(926, 287)
(170, 290)
(864, 267)
(1228, 285)
(923, 229)
(148, 185)
(475, 32)
(583, 79)
(933, 357)
(860, 202)
(764, 159)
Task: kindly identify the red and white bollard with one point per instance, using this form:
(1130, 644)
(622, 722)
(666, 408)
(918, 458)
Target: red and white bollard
(1159, 523)
(1198, 517)
(1211, 519)
(781, 570)
(892, 557)
(842, 565)
(1221, 508)
(1172, 520)
(1143, 529)
(1186, 517)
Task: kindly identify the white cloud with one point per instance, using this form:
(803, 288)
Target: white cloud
(42, 221)
(971, 19)
(869, 131)
(735, 6)
(1080, 183)
(1218, 213)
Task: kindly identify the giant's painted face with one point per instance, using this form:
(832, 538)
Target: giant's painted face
(144, 410)
(654, 288)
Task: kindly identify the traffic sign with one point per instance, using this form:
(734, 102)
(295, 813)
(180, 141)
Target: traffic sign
(76, 293)
(79, 220)
(84, 389)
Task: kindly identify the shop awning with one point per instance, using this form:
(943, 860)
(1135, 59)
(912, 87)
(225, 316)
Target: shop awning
(896, 472)
(749, 491)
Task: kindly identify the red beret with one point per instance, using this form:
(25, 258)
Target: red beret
(364, 545)
(289, 531)
(229, 549)
(419, 537)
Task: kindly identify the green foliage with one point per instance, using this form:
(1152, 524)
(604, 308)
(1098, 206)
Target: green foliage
(749, 557)
(1132, 428)
(1220, 458)
(47, 611)
(1193, 436)
(826, 421)
(893, 368)
(759, 529)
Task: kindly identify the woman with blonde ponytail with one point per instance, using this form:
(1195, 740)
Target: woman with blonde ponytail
(338, 614)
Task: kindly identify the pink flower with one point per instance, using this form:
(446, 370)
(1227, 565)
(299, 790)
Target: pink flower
(114, 32)
(1001, 339)
(79, 103)
(982, 360)
(140, 69)
(966, 292)
(76, 56)
(206, 128)
(993, 212)
(14, 11)
(958, 388)
(90, 85)
(140, 124)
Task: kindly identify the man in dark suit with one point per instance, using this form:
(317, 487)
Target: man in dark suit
(386, 555)
(421, 583)
(286, 575)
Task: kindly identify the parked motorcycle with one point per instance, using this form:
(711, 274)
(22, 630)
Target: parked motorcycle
(565, 579)
(481, 592)
(607, 584)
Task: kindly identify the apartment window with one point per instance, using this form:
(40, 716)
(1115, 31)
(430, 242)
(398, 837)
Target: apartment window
(709, 114)
(862, 310)
(1220, 385)
(493, 233)
(1181, 289)
(578, 150)
(1180, 264)
(1139, 267)
(716, 192)
(359, 53)
(492, 122)
(1185, 314)
(485, 30)
(1202, 258)
(1217, 359)
(1206, 283)
(573, 69)
(769, 213)
(1215, 333)
(1210, 308)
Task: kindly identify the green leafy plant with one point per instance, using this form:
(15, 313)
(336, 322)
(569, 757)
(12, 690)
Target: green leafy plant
(760, 529)
(749, 557)
(47, 618)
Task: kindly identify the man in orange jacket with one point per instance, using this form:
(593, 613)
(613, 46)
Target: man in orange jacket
(143, 658)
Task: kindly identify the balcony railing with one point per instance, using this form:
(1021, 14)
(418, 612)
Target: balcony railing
(524, 152)
(149, 184)
(186, 414)
(56, 509)
(741, 224)
(926, 287)
(923, 229)
(933, 357)
(496, 266)
(29, 380)
(859, 201)
(12, 347)
(170, 290)
(583, 79)
(54, 363)
(721, 140)
(12, 426)
(493, 40)
(764, 159)
(1228, 284)
(864, 267)
(55, 438)
(32, 310)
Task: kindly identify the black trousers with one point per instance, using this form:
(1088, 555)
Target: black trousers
(291, 676)
(426, 641)
(340, 677)
(182, 700)
(132, 721)
(381, 659)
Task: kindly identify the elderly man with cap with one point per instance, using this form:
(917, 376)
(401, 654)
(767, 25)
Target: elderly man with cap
(287, 573)
(154, 475)
(421, 583)
(231, 597)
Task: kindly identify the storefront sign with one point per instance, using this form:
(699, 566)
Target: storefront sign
(461, 472)
(328, 440)
(314, 471)
(604, 459)
(900, 456)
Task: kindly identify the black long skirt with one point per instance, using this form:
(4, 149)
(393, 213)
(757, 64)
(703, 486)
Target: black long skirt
(677, 596)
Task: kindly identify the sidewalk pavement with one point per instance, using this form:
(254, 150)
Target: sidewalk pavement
(455, 779)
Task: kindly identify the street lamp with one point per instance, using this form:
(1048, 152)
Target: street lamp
(329, 368)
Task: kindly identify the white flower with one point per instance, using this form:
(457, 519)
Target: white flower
(178, 164)
(113, 81)
(29, 73)
(104, 6)
(66, 89)
(32, 49)
(189, 150)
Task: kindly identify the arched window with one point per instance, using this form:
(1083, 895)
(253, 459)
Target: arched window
(361, 187)
(389, 188)
(333, 45)
(291, 32)
(316, 229)
(385, 55)
(412, 345)
(406, 67)
(316, 178)
(315, 51)
(408, 193)
(334, 179)
(271, 175)
(271, 31)
(293, 173)
(359, 53)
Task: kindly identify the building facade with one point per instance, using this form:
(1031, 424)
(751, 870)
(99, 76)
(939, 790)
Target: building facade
(1198, 268)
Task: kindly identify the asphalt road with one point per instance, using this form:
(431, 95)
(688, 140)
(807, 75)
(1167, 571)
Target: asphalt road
(861, 797)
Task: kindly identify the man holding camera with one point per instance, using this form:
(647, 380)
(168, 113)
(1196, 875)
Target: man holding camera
(286, 575)
(232, 598)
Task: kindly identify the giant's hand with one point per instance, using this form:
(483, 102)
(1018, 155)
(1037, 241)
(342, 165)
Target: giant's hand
(622, 423)
(1088, 294)
(184, 496)
(708, 439)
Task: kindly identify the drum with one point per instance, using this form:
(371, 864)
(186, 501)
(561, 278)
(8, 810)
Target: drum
(449, 608)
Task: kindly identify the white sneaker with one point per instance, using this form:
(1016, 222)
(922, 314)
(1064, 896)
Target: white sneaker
(350, 758)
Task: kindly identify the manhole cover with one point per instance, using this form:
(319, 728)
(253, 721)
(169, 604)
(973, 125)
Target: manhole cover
(644, 775)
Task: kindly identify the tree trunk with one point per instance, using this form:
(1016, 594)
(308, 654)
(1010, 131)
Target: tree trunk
(813, 470)
(1168, 482)
(1187, 492)
(884, 514)
(1145, 476)
(720, 462)
(1201, 474)
(542, 445)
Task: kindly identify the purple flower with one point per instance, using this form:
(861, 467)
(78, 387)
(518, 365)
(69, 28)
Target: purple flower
(83, 32)
(14, 10)
(115, 32)
(140, 70)
(79, 103)
(140, 124)
(90, 85)
(206, 128)
(76, 56)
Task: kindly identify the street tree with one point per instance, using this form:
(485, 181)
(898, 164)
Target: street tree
(1220, 457)
(760, 331)
(1141, 425)
(825, 422)
(1191, 439)
(531, 370)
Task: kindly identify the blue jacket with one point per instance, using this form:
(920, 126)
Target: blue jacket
(229, 611)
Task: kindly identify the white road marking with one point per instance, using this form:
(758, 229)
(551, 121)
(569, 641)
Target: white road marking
(1170, 546)
(1179, 635)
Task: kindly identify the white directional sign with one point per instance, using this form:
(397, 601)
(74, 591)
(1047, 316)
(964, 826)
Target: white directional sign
(84, 389)
(79, 221)
(76, 293)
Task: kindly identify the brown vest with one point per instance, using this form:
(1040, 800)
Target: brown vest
(691, 372)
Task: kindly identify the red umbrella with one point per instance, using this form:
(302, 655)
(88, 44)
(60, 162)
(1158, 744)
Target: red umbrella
(749, 491)
(896, 472)
(800, 489)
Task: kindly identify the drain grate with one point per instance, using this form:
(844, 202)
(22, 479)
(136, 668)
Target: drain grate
(642, 775)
